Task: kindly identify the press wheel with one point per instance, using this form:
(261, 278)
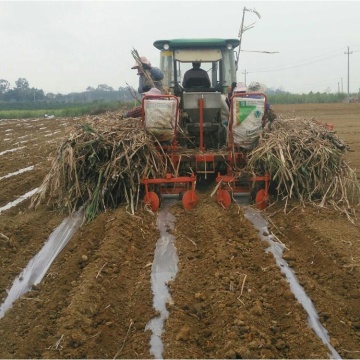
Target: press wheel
(152, 199)
(261, 199)
(189, 199)
(223, 198)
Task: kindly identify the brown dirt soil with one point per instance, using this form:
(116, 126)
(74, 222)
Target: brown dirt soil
(229, 298)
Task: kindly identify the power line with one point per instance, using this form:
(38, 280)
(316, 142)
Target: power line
(292, 67)
(313, 60)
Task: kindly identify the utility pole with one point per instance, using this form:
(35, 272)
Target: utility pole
(348, 72)
(242, 29)
(245, 72)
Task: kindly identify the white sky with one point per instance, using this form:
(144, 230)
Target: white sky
(66, 46)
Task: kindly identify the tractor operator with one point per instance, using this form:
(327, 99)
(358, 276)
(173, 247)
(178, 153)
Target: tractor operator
(196, 77)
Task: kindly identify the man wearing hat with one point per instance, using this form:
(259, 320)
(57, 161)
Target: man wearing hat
(256, 87)
(152, 73)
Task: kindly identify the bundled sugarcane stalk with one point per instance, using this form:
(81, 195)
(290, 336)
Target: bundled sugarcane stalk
(100, 165)
(306, 161)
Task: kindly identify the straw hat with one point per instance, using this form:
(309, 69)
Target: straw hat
(144, 61)
(240, 87)
(256, 87)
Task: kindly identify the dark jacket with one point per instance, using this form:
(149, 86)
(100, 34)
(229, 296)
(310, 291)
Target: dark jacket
(156, 76)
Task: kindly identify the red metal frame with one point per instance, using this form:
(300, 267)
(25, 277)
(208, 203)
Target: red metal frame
(201, 121)
(234, 157)
(230, 181)
(183, 183)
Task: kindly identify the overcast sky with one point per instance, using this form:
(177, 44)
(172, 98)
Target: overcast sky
(66, 46)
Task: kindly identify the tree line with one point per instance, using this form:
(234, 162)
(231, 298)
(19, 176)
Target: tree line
(284, 97)
(22, 96)
(23, 93)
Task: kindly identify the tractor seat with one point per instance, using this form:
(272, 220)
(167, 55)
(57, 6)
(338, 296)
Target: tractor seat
(198, 82)
(200, 89)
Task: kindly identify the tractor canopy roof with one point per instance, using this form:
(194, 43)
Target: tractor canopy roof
(196, 43)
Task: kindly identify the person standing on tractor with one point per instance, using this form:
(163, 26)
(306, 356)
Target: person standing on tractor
(230, 93)
(149, 83)
(149, 76)
(226, 101)
(225, 110)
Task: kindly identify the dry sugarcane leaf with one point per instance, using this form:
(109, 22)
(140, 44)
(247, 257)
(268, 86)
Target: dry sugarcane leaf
(306, 162)
(99, 164)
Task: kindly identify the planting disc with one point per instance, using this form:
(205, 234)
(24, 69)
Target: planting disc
(261, 200)
(189, 199)
(153, 200)
(223, 198)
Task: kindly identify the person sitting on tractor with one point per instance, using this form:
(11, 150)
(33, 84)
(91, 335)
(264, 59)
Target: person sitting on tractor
(136, 112)
(153, 73)
(269, 115)
(196, 77)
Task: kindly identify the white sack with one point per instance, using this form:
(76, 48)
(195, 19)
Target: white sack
(160, 118)
(247, 121)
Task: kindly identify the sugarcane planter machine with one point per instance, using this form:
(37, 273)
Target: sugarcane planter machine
(197, 145)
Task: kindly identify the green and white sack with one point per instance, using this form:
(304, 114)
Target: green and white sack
(247, 121)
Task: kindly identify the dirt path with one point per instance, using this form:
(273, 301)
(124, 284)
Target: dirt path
(229, 298)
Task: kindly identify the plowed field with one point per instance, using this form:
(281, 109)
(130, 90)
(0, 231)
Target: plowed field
(229, 298)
